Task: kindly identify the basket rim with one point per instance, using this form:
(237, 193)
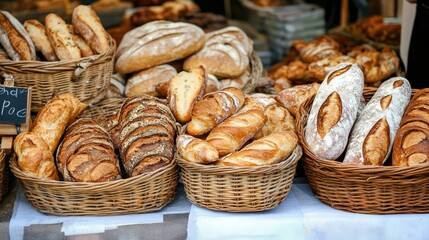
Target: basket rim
(377, 172)
(294, 157)
(255, 64)
(13, 163)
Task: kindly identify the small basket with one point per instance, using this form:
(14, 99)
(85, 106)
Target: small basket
(364, 188)
(239, 189)
(140, 194)
(86, 78)
(4, 175)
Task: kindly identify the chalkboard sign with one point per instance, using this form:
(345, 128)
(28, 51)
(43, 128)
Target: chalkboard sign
(13, 105)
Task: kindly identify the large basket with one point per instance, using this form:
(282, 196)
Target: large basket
(4, 175)
(140, 194)
(363, 188)
(86, 78)
(239, 189)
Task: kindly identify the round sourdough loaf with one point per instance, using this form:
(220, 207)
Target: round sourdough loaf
(156, 43)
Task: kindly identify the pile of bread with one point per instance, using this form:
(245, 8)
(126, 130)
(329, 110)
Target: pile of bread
(377, 29)
(341, 124)
(142, 132)
(228, 127)
(55, 40)
(311, 61)
(152, 54)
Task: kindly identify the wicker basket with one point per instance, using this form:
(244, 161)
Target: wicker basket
(256, 73)
(363, 188)
(86, 78)
(239, 189)
(140, 194)
(4, 175)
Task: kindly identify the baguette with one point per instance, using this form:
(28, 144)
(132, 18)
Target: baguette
(60, 38)
(196, 150)
(37, 33)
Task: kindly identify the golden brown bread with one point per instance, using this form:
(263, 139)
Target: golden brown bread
(270, 149)
(15, 39)
(55, 116)
(235, 131)
(278, 120)
(184, 90)
(37, 33)
(61, 39)
(86, 154)
(196, 150)
(214, 108)
(34, 156)
(88, 25)
(85, 50)
(213, 84)
(293, 97)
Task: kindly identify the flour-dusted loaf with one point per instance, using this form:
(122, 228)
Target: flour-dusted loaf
(410, 146)
(146, 81)
(88, 25)
(156, 43)
(14, 39)
(37, 33)
(34, 156)
(270, 149)
(86, 154)
(146, 133)
(334, 111)
(225, 53)
(196, 150)
(214, 108)
(184, 90)
(372, 136)
(61, 39)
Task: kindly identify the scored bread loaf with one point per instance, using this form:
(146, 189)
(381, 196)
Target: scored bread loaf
(86, 154)
(156, 43)
(34, 156)
(270, 149)
(146, 81)
(184, 90)
(214, 108)
(146, 134)
(372, 136)
(37, 33)
(411, 141)
(55, 116)
(292, 98)
(60, 38)
(196, 150)
(15, 39)
(225, 53)
(334, 111)
(235, 131)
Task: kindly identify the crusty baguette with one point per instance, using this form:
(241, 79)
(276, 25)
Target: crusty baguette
(37, 33)
(85, 50)
(34, 156)
(61, 39)
(235, 131)
(270, 149)
(214, 108)
(184, 90)
(196, 150)
(15, 39)
(87, 24)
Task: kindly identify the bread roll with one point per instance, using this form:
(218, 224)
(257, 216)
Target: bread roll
(239, 82)
(196, 150)
(54, 117)
(34, 156)
(278, 120)
(146, 81)
(213, 84)
(372, 136)
(214, 108)
(37, 33)
(270, 149)
(156, 43)
(184, 90)
(85, 50)
(86, 154)
(334, 111)
(235, 131)
(87, 24)
(292, 98)
(61, 39)
(15, 39)
(225, 53)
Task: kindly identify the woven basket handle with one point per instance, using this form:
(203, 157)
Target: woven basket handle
(81, 68)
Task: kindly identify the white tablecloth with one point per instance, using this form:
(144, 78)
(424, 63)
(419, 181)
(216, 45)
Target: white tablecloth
(302, 216)
(25, 215)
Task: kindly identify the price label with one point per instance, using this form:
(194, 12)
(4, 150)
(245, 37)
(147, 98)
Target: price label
(14, 104)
